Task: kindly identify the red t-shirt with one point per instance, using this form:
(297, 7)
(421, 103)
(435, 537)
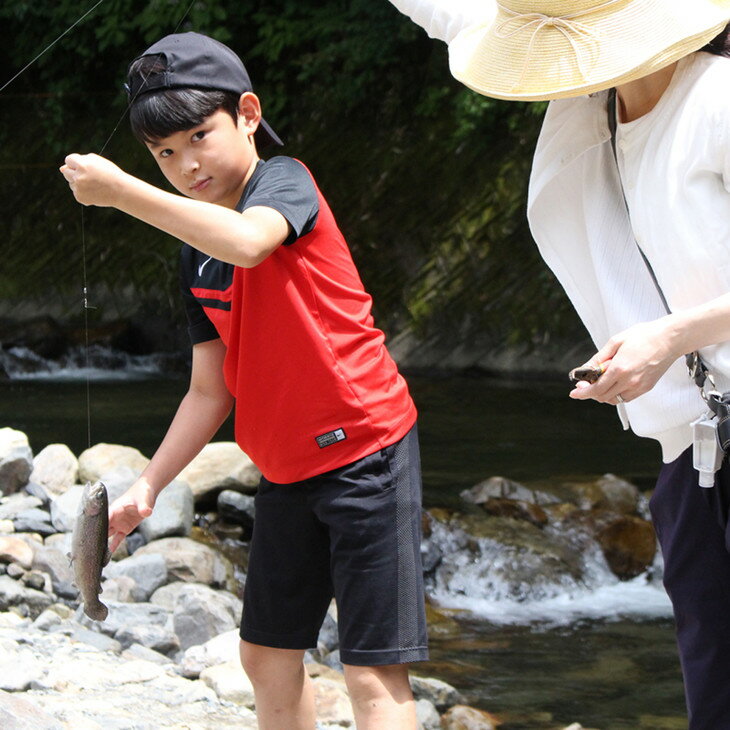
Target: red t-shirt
(315, 386)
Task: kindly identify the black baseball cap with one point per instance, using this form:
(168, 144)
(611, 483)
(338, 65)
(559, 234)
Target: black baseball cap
(195, 61)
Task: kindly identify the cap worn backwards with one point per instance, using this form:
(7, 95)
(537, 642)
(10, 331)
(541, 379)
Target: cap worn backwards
(195, 61)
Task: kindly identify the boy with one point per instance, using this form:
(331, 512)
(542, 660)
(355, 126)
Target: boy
(280, 324)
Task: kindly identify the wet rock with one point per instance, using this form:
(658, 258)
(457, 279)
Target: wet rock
(102, 458)
(20, 713)
(201, 613)
(517, 510)
(221, 465)
(16, 550)
(16, 460)
(462, 717)
(439, 693)
(332, 702)
(55, 468)
(501, 488)
(149, 572)
(628, 544)
(190, 561)
(609, 493)
(173, 513)
(230, 683)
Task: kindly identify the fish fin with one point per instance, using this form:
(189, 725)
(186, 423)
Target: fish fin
(107, 558)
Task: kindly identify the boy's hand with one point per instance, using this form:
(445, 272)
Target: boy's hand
(129, 510)
(94, 180)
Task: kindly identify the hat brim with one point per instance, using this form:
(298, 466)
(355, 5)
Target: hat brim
(515, 60)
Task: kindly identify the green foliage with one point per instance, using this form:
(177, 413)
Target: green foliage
(427, 179)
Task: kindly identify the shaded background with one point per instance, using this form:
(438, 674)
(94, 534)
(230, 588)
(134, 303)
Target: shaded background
(427, 179)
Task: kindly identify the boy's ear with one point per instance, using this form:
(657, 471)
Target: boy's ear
(249, 111)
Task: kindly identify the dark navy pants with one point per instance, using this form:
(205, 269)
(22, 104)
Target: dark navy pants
(697, 578)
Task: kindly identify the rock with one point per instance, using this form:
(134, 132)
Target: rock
(628, 544)
(137, 651)
(54, 562)
(222, 649)
(427, 715)
(6, 527)
(123, 589)
(47, 620)
(328, 639)
(229, 682)
(157, 638)
(220, 465)
(501, 488)
(33, 489)
(148, 572)
(15, 571)
(517, 510)
(65, 508)
(332, 702)
(461, 717)
(190, 561)
(440, 693)
(13, 505)
(19, 713)
(102, 458)
(16, 550)
(37, 581)
(55, 468)
(173, 513)
(13, 594)
(123, 615)
(236, 508)
(202, 613)
(102, 642)
(16, 460)
(607, 493)
(34, 520)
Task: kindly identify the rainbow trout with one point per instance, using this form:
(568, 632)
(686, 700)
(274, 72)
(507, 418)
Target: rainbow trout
(89, 548)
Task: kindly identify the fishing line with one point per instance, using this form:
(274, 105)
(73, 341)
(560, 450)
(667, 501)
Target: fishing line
(70, 28)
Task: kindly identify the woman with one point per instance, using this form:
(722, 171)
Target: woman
(672, 148)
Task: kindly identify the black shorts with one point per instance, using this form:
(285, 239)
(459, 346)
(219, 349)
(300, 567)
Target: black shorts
(355, 533)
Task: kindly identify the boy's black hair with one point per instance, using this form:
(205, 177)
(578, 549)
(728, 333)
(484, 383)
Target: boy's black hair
(158, 114)
(720, 44)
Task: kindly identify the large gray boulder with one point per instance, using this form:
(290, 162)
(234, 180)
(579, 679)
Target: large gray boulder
(55, 468)
(201, 614)
(148, 572)
(221, 465)
(16, 460)
(100, 459)
(173, 513)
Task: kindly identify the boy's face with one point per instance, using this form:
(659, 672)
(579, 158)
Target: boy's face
(213, 161)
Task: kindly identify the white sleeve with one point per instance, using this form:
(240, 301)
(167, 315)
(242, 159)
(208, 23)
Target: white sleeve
(445, 19)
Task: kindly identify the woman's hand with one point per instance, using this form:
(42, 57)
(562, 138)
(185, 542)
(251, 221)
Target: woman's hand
(93, 180)
(129, 510)
(634, 360)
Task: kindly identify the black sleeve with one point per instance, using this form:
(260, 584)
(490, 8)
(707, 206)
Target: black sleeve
(200, 328)
(285, 185)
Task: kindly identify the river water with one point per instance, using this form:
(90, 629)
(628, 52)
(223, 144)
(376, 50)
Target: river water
(606, 659)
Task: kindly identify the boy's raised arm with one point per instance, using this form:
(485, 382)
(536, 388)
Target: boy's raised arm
(445, 19)
(244, 239)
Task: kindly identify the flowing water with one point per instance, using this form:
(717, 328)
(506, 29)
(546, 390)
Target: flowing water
(604, 657)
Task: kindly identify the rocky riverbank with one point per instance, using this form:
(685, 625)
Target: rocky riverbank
(170, 642)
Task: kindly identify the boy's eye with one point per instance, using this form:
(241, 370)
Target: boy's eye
(198, 135)
(166, 153)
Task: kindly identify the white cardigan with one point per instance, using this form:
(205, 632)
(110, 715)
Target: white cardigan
(676, 167)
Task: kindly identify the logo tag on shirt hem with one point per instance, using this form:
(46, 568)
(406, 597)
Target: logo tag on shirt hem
(332, 437)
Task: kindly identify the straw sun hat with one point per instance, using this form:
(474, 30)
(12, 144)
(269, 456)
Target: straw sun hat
(534, 50)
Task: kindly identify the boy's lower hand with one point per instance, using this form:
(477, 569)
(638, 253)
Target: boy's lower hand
(94, 180)
(126, 512)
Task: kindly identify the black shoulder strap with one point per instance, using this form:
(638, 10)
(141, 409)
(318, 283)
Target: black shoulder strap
(697, 369)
